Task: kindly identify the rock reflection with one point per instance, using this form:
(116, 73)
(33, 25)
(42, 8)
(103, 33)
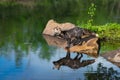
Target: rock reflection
(90, 47)
(73, 63)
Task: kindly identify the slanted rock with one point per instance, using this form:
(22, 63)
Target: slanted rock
(113, 56)
(52, 24)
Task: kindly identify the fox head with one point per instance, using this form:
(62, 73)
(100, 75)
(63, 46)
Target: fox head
(56, 65)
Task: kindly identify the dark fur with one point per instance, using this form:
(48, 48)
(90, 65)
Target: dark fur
(74, 35)
(80, 41)
(72, 63)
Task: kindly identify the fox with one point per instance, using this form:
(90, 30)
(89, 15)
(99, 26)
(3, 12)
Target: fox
(73, 35)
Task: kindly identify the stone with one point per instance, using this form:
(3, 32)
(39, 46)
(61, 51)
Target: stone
(116, 58)
(113, 57)
(52, 24)
(54, 41)
(91, 48)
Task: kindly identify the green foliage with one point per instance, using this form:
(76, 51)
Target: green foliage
(91, 13)
(110, 31)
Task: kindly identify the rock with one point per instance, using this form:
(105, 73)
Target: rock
(52, 24)
(54, 41)
(91, 48)
(116, 58)
(113, 56)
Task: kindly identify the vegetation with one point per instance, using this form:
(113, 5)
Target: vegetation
(109, 31)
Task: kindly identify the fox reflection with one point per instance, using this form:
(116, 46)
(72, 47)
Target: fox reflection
(74, 63)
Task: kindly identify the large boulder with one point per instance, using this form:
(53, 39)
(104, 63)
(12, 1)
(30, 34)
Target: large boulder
(52, 24)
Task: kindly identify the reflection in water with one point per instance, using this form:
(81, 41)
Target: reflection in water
(90, 45)
(100, 73)
(32, 61)
(18, 58)
(74, 63)
(103, 73)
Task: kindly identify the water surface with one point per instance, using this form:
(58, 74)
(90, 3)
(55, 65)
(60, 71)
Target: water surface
(30, 61)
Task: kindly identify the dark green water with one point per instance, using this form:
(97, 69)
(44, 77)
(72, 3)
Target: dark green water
(25, 55)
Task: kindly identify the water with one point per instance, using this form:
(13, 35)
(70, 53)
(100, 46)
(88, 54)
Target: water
(35, 62)
(25, 54)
